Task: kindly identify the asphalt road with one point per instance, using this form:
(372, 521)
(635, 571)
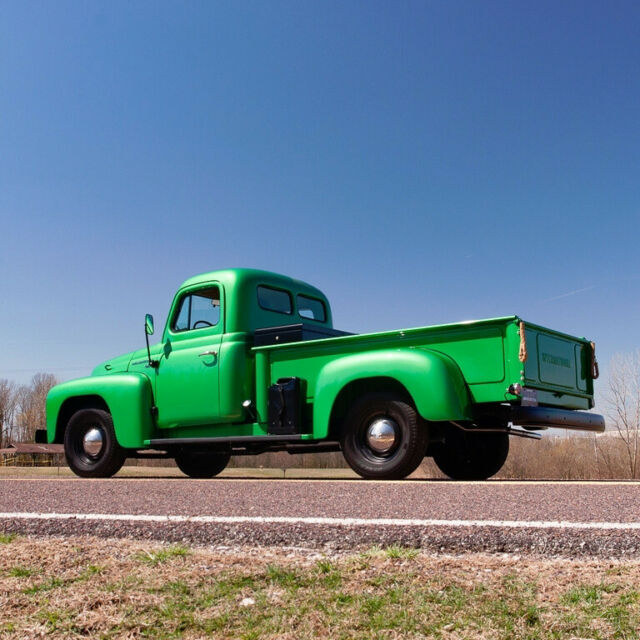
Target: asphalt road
(566, 518)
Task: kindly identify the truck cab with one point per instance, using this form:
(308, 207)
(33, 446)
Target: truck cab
(203, 367)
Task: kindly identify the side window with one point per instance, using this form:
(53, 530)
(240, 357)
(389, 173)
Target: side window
(198, 310)
(276, 300)
(311, 308)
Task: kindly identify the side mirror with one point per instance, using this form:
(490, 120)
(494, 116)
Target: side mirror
(148, 331)
(148, 324)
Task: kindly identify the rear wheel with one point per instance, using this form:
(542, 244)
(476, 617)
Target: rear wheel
(201, 464)
(90, 444)
(465, 455)
(383, 437)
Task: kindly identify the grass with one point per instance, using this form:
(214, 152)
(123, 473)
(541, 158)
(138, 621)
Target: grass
(397, 552)
(109, 589)
(163, 554)
(20, 572)
(54, 582)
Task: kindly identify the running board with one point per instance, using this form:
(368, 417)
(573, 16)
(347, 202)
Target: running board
(167, 442)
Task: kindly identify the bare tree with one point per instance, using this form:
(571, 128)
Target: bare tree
(623, 406)
(31, 402)
(7, 411)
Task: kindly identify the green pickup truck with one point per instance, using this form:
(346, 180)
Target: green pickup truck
(249, 362)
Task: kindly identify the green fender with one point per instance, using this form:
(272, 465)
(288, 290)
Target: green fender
(128, 397)
(433, 380)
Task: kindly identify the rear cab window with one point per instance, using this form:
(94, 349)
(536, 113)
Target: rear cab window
(311, 308)
(272, 299)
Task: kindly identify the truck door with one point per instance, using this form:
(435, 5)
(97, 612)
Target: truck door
(187, 379)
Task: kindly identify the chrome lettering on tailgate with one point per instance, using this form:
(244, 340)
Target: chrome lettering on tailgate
(561, 362)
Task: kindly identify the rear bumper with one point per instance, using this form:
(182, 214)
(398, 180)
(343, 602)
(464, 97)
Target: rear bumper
(541, 417)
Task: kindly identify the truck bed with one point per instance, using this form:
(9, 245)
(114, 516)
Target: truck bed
(486, 352)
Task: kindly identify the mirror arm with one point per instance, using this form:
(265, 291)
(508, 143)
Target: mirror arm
(152, 363)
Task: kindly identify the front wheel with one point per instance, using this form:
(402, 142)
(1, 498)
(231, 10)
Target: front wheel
(201, 464)
(383, 437)
(466, 455)
(90, 445)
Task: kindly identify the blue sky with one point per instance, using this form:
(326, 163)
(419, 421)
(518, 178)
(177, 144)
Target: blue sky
(421, 162)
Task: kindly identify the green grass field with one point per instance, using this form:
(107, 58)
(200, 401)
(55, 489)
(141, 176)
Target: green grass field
(85, 587)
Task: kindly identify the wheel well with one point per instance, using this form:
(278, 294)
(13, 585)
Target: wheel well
(70, 406)
(352, 391)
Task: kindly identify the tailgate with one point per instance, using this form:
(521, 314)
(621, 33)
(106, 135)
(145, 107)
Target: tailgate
(559, 367)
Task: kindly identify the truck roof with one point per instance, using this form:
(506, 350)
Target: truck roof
(238, 276)
(244, 314)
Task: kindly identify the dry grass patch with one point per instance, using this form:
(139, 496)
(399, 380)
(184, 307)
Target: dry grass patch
(67, 588)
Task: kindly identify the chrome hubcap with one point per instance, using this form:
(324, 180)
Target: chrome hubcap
(92, 442)
(382, 435)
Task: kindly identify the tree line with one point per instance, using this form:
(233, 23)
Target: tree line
(22, 408)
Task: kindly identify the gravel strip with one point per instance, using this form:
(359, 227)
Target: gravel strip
(544, 542)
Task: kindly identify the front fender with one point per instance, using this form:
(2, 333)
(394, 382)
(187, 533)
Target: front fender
(128, 396)
(433, 380)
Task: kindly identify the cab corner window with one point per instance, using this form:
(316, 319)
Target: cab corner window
(198, 310)
(311, 308)
(276, 300)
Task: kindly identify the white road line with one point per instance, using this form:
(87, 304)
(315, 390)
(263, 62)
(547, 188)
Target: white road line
(359, 522)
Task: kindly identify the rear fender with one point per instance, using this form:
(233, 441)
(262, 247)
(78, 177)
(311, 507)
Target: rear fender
(432, 379)
(127, 396)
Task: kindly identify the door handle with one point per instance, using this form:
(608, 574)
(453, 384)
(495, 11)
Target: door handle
(208, 353)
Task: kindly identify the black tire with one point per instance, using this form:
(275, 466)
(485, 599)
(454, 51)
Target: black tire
(407, 450)
(100, 463)
(201, 464)
(465, 455)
